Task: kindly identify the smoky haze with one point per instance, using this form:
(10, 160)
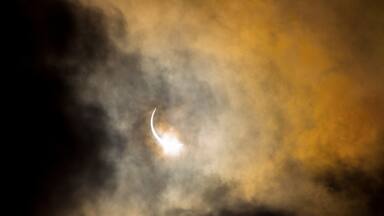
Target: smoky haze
(279, 105)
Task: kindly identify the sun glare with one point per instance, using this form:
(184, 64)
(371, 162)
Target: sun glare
(170, 145)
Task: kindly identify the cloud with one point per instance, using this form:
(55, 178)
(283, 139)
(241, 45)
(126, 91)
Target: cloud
(58, 141)
(279, 105)
(298, 97)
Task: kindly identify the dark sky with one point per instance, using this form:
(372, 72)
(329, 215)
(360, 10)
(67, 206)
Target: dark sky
(56, 141)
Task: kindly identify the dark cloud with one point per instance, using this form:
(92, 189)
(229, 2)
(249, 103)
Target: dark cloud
(253, 211)
(58, 142)
(244, 210)
(354, 184)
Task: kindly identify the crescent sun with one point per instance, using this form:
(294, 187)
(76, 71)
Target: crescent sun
(169, 143)
(154, 133)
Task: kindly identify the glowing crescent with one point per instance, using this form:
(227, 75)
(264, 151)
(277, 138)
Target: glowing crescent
(170, 144)
(157, 137)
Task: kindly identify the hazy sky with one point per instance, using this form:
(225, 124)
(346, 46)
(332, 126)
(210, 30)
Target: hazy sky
(279, 105)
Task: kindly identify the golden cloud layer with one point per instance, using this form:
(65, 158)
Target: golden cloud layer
(299, 86)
